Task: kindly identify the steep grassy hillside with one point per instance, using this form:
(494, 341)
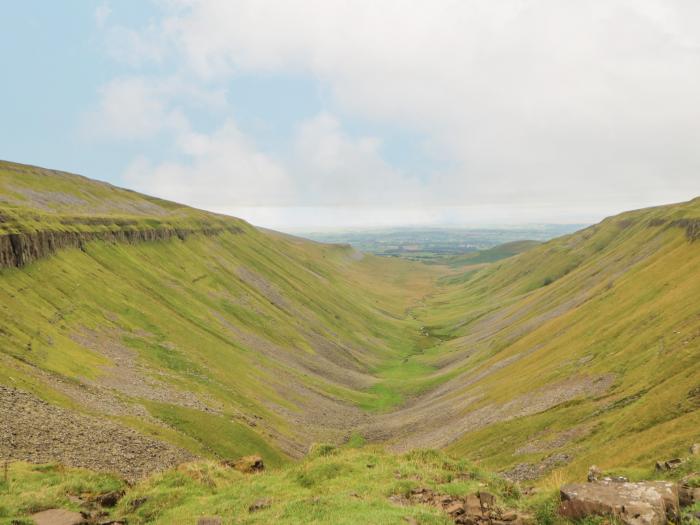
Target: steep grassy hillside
(220, 342)
(583, 350)
(138, 334)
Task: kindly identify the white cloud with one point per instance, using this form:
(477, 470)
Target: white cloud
(335, 169)
(582, 104)
(223, 169)
(139, 107)
(534, 95)
(132, 108)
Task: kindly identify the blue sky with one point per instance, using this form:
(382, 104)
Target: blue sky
(312, 113)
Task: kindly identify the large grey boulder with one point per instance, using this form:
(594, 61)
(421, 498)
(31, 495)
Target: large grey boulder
(643, 503)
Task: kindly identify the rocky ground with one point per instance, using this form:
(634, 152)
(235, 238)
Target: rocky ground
(33, 430)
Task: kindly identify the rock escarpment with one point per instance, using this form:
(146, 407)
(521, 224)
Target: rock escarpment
(20, 249)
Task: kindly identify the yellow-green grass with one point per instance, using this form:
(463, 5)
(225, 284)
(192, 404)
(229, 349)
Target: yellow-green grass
(254, 323)
(331, 486)
(237, 318)
(618, 298)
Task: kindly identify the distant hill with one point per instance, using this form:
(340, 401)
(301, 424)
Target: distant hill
(436, 244)
(502, 251)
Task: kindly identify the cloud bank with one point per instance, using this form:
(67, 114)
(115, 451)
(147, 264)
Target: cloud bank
(572, 105)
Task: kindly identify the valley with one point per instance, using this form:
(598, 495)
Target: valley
(138, 334)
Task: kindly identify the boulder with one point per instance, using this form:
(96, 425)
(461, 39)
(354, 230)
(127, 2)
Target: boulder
(695, 449)
(643, 503)
(58, 517)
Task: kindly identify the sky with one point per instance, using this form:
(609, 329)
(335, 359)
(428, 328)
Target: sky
(313, 114)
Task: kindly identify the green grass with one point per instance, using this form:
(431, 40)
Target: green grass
(265, 327)
(33, 488)
(218, 435)
(342, 485)
(245, 319)
(345, 485)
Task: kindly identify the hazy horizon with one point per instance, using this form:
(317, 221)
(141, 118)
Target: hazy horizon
(306, 114)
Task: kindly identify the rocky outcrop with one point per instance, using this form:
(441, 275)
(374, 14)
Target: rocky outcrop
(642, 503)
(691, 226)
(479, 508)
(19, 249)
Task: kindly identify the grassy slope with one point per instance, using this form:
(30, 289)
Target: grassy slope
(253, 323)
(286, 332)
(617, 298)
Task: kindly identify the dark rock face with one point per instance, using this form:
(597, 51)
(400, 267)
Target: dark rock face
(688, 495)
(20, 249)
(643, 503)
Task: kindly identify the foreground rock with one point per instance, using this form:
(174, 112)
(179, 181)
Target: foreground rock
(643, 503)
(476, 509)
(57, 517)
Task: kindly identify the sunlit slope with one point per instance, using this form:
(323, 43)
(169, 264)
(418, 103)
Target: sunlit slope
(583, 350)
(225, 342)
